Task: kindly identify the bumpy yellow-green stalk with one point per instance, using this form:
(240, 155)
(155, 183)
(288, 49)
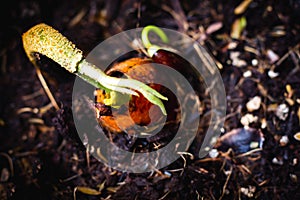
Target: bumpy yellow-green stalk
(45, 40)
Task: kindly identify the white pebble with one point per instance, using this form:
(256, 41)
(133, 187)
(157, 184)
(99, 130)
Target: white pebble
(254, 145)
(282, 111)
(254, 62)
(247, 74)
(213, 153)
(294, 178)
(249, 192)
(232, 45)
(248, 119)
(272, 74)
(253, 104)
(263, 123)
(295, 161)
(277, 161)
(167, 173)
(284, 140)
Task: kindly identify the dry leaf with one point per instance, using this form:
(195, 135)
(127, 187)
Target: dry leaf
(214, 27)
(237, 27)
(101, 186)
(297, 136)
(87, 190)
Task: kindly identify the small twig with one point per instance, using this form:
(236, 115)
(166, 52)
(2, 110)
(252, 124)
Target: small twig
(40, 110)
(46, 88)
(78, 17)
(139, 8)
(205, 58)
(285, 56)
(178, 15)
(33, 95)
(165, 195)
(36, 121)
(10, 162)
(45, 108)
(226, 183)
(71, 177)
(248, 153)
(296, 62)
(87, 155)
(176, 170)
(27, 109)
(74, 193)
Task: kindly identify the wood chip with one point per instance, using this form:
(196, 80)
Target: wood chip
(242, 7)
(87, 190)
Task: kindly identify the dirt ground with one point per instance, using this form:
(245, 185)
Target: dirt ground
(42, 157)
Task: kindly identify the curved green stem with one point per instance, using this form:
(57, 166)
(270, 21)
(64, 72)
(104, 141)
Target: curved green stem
(45, 40)
(151, 49)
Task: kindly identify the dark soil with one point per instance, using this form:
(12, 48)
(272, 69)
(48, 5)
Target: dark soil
(42, 157)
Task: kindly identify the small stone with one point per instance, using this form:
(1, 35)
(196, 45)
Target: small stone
(277, 161)
(248, 119)
(167, 173)
(236, 61)
(254, 104)
(249, 192)
(240, 139)
(247, 74)
(254, 62)
(232, 45)
(263, 123)
(227, 173)
(244, 190)
(294, 178)
(282, 111)
(295, 161)
(213, 153)
(4, 175)
(272, 74)
(283, 140)
(254, 145)
(227, 192)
